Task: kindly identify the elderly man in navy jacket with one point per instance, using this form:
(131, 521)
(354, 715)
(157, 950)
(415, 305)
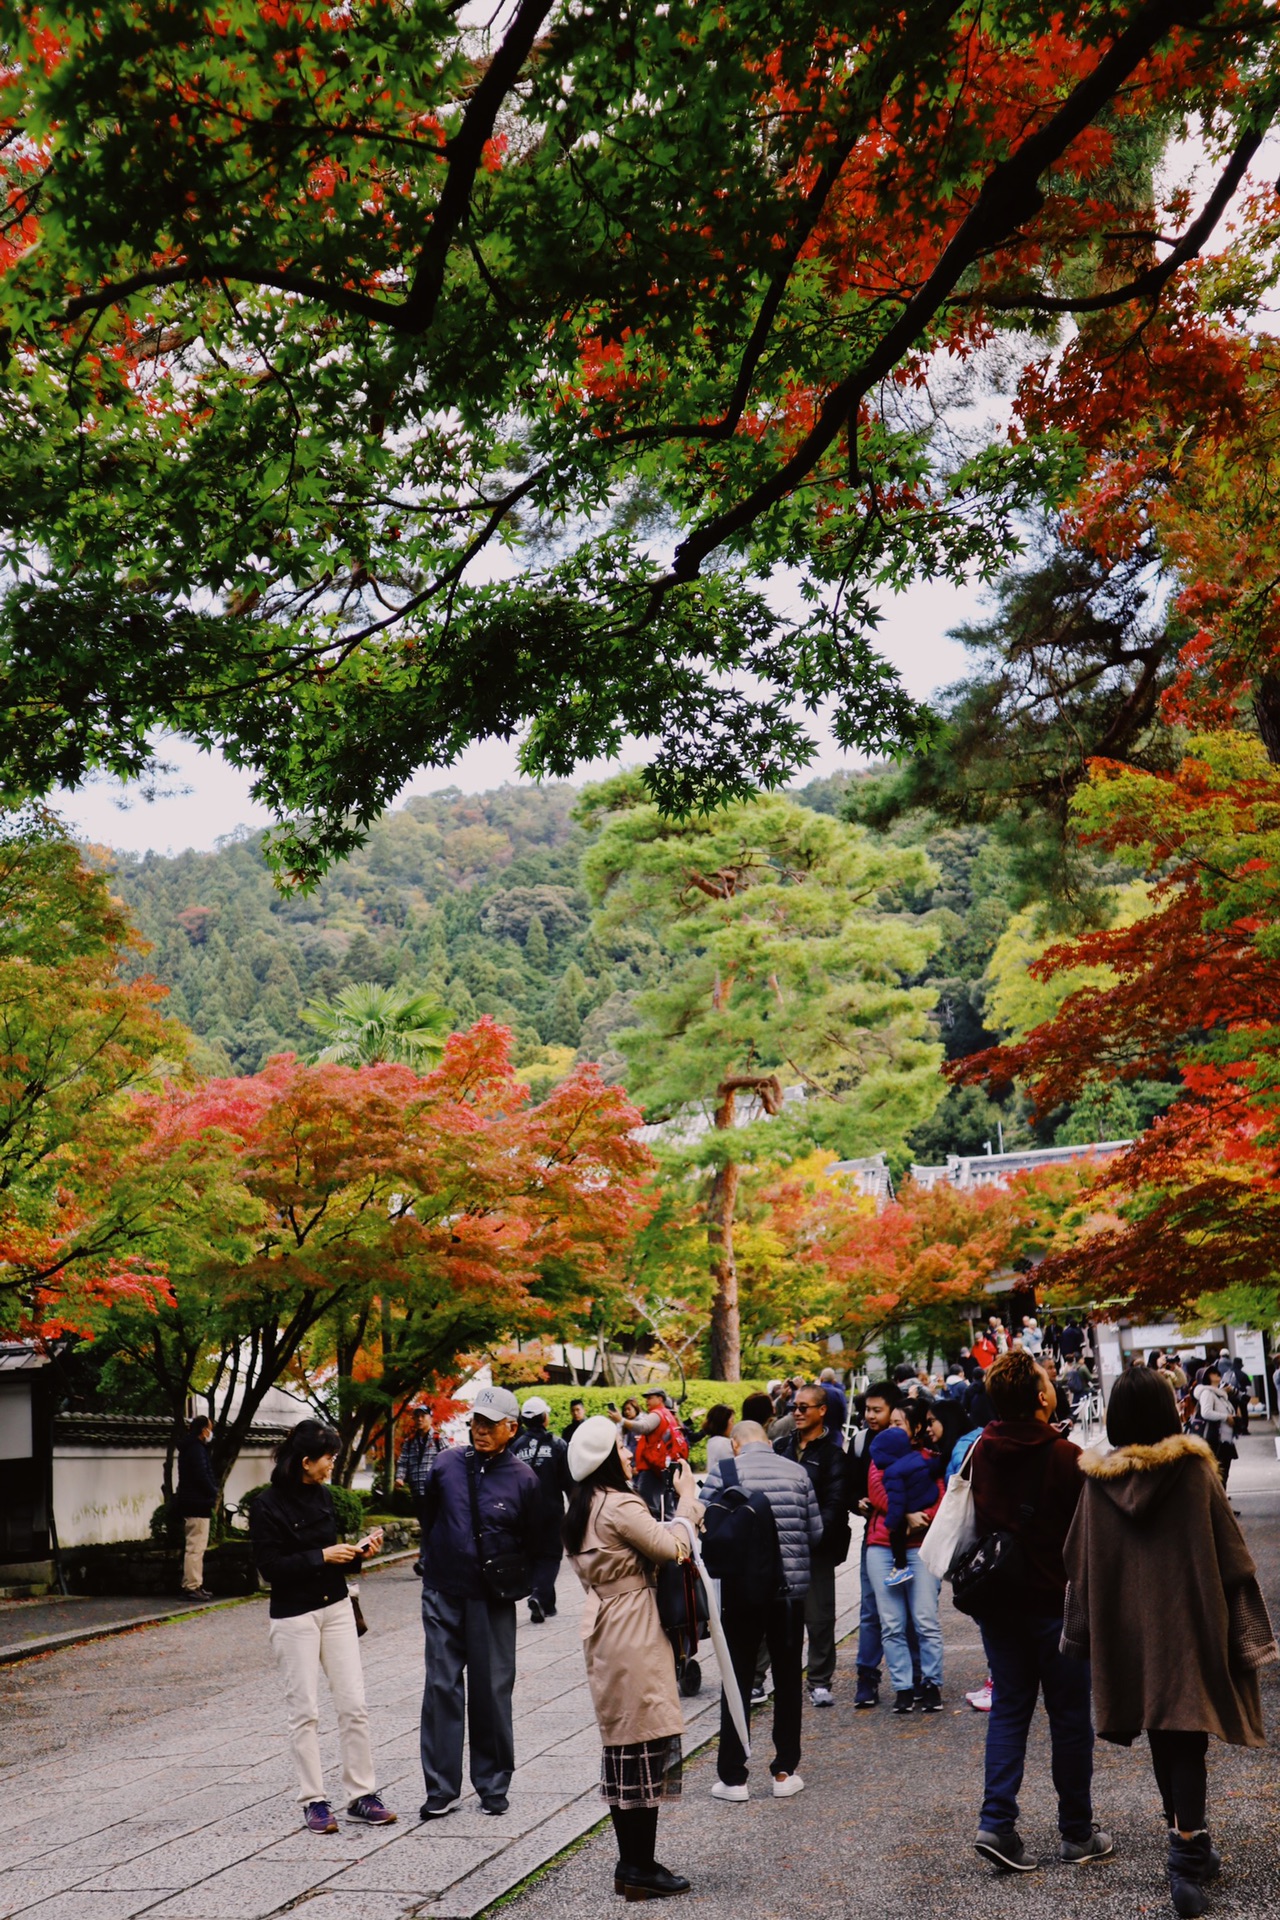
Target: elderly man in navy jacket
(479, 1502)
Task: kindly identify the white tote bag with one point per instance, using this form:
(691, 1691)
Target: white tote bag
(953, 1529)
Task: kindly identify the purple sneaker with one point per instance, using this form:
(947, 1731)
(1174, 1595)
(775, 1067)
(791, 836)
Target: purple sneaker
(370, 1809)
(319, 1817)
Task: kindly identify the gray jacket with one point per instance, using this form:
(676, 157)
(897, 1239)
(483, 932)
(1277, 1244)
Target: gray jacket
(789, 1491)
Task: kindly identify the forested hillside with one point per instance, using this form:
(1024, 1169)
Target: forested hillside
(479, 897)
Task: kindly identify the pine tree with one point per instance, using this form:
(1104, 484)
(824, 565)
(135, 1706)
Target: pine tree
(783, 973)
(536, 951)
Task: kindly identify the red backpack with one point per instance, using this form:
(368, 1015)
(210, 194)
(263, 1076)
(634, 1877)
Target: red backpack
(666, 1443)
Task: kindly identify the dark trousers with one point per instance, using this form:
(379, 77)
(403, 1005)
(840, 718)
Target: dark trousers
(471, 1666)
(652, 1486)
(870, 1640)
(781, 1627)
(1023, 1657)
(543, 1571)
(1179, 1763)
(820, 1622)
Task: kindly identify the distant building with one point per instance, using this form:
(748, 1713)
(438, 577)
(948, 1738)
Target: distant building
(870, 1175)
(970, 1170)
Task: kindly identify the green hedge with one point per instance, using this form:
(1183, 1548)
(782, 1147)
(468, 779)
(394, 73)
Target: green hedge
(348, 1507)
(699, 1395)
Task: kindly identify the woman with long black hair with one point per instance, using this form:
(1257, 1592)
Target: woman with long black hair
(312, 1621)
(615, 1546)
(1163, 1599)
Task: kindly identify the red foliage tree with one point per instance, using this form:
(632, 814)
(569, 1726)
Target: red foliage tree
(1196, 985)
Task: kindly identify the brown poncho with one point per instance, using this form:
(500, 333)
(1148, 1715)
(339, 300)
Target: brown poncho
(1163, 1596)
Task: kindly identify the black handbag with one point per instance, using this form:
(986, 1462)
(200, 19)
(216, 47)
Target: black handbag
(990, 1577)
(506, 1576)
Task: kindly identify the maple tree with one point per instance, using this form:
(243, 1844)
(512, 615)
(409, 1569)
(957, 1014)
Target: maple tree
(76, 1039)
(368, 1225)
(785, 1002)
(377, 381)
(1191, 996)
(911, 1274)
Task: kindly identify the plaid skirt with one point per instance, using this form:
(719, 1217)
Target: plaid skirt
(642, 1774)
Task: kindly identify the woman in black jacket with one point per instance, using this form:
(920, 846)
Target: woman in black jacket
(312, 1624)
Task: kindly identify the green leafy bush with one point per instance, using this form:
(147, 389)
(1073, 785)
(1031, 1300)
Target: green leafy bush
(348, 1507)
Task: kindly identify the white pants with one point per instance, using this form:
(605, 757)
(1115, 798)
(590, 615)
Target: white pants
(196, 1539)
(302, 1646)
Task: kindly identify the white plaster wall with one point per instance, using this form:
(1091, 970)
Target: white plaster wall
(109, 1493)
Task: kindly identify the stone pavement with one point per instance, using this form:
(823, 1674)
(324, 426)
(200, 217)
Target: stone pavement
(38, 1626)
(884, 1829)
(149, 1774)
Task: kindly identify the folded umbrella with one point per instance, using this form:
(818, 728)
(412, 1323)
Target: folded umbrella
(728, 1679)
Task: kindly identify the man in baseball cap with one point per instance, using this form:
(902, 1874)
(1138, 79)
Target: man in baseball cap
(548, 1457)
(481, 1510)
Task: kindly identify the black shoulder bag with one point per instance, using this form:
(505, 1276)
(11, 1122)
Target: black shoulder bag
(991, 1576)
(505, 1576)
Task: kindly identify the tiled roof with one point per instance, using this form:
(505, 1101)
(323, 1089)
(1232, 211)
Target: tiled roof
(134, 1430)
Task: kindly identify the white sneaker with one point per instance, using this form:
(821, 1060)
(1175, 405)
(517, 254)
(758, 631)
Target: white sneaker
(787, 1785)
(980, 1698)
(722, 1791)
(822, 1696)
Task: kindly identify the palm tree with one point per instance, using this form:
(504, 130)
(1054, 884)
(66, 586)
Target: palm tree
(367, 1025)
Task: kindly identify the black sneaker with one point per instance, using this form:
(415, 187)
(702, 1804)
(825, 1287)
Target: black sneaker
(1078, 1853)
(496, 1803)
(435, 1809)
(905, 1702)
(535, 1611)
(1004, 1850)
(930, 1698)
(868, 1694)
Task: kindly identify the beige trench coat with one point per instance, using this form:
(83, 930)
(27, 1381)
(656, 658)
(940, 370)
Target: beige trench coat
(630, 1665)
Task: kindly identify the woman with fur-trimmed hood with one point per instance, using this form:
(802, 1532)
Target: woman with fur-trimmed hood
(1163, 1599)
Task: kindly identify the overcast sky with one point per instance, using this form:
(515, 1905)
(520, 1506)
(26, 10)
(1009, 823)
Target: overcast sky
(211, 799)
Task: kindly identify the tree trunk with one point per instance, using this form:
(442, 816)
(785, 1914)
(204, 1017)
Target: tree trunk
(1266, 711)
(726, 1337)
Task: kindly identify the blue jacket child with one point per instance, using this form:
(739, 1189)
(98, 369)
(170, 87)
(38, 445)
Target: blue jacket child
(910, 1484)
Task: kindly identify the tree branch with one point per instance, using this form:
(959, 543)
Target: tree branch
(1009, 195)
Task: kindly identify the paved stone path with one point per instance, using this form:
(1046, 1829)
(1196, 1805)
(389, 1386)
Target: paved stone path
(148, 1774)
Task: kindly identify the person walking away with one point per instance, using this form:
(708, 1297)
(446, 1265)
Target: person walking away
(195, 1500)
(837, 1404)
(903, 1494)
(715, 1431)
(547, 1457)
(615, 1547)
(311, 1622)
(481, 1515)
(878, 1405)
(577, 1414)
(1154, 1539)
(659, 1444)
(820, 1454)
(1026, 1483)
(750, 1617)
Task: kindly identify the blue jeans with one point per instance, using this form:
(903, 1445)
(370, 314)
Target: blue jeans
(899, 1606)
(1022, 1658)
(870, 1643)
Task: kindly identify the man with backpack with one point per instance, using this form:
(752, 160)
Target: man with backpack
(660, 1442)
(761, 1523)
(822, 1457)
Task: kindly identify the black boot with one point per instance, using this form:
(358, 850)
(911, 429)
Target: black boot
(652, 1883)
(1213, 1859)
(1191, 1866)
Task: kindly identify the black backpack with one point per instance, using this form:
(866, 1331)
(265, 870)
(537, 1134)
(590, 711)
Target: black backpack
(740, 1542)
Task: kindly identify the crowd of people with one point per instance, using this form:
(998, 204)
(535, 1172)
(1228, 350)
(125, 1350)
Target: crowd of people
(1070, 1558)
